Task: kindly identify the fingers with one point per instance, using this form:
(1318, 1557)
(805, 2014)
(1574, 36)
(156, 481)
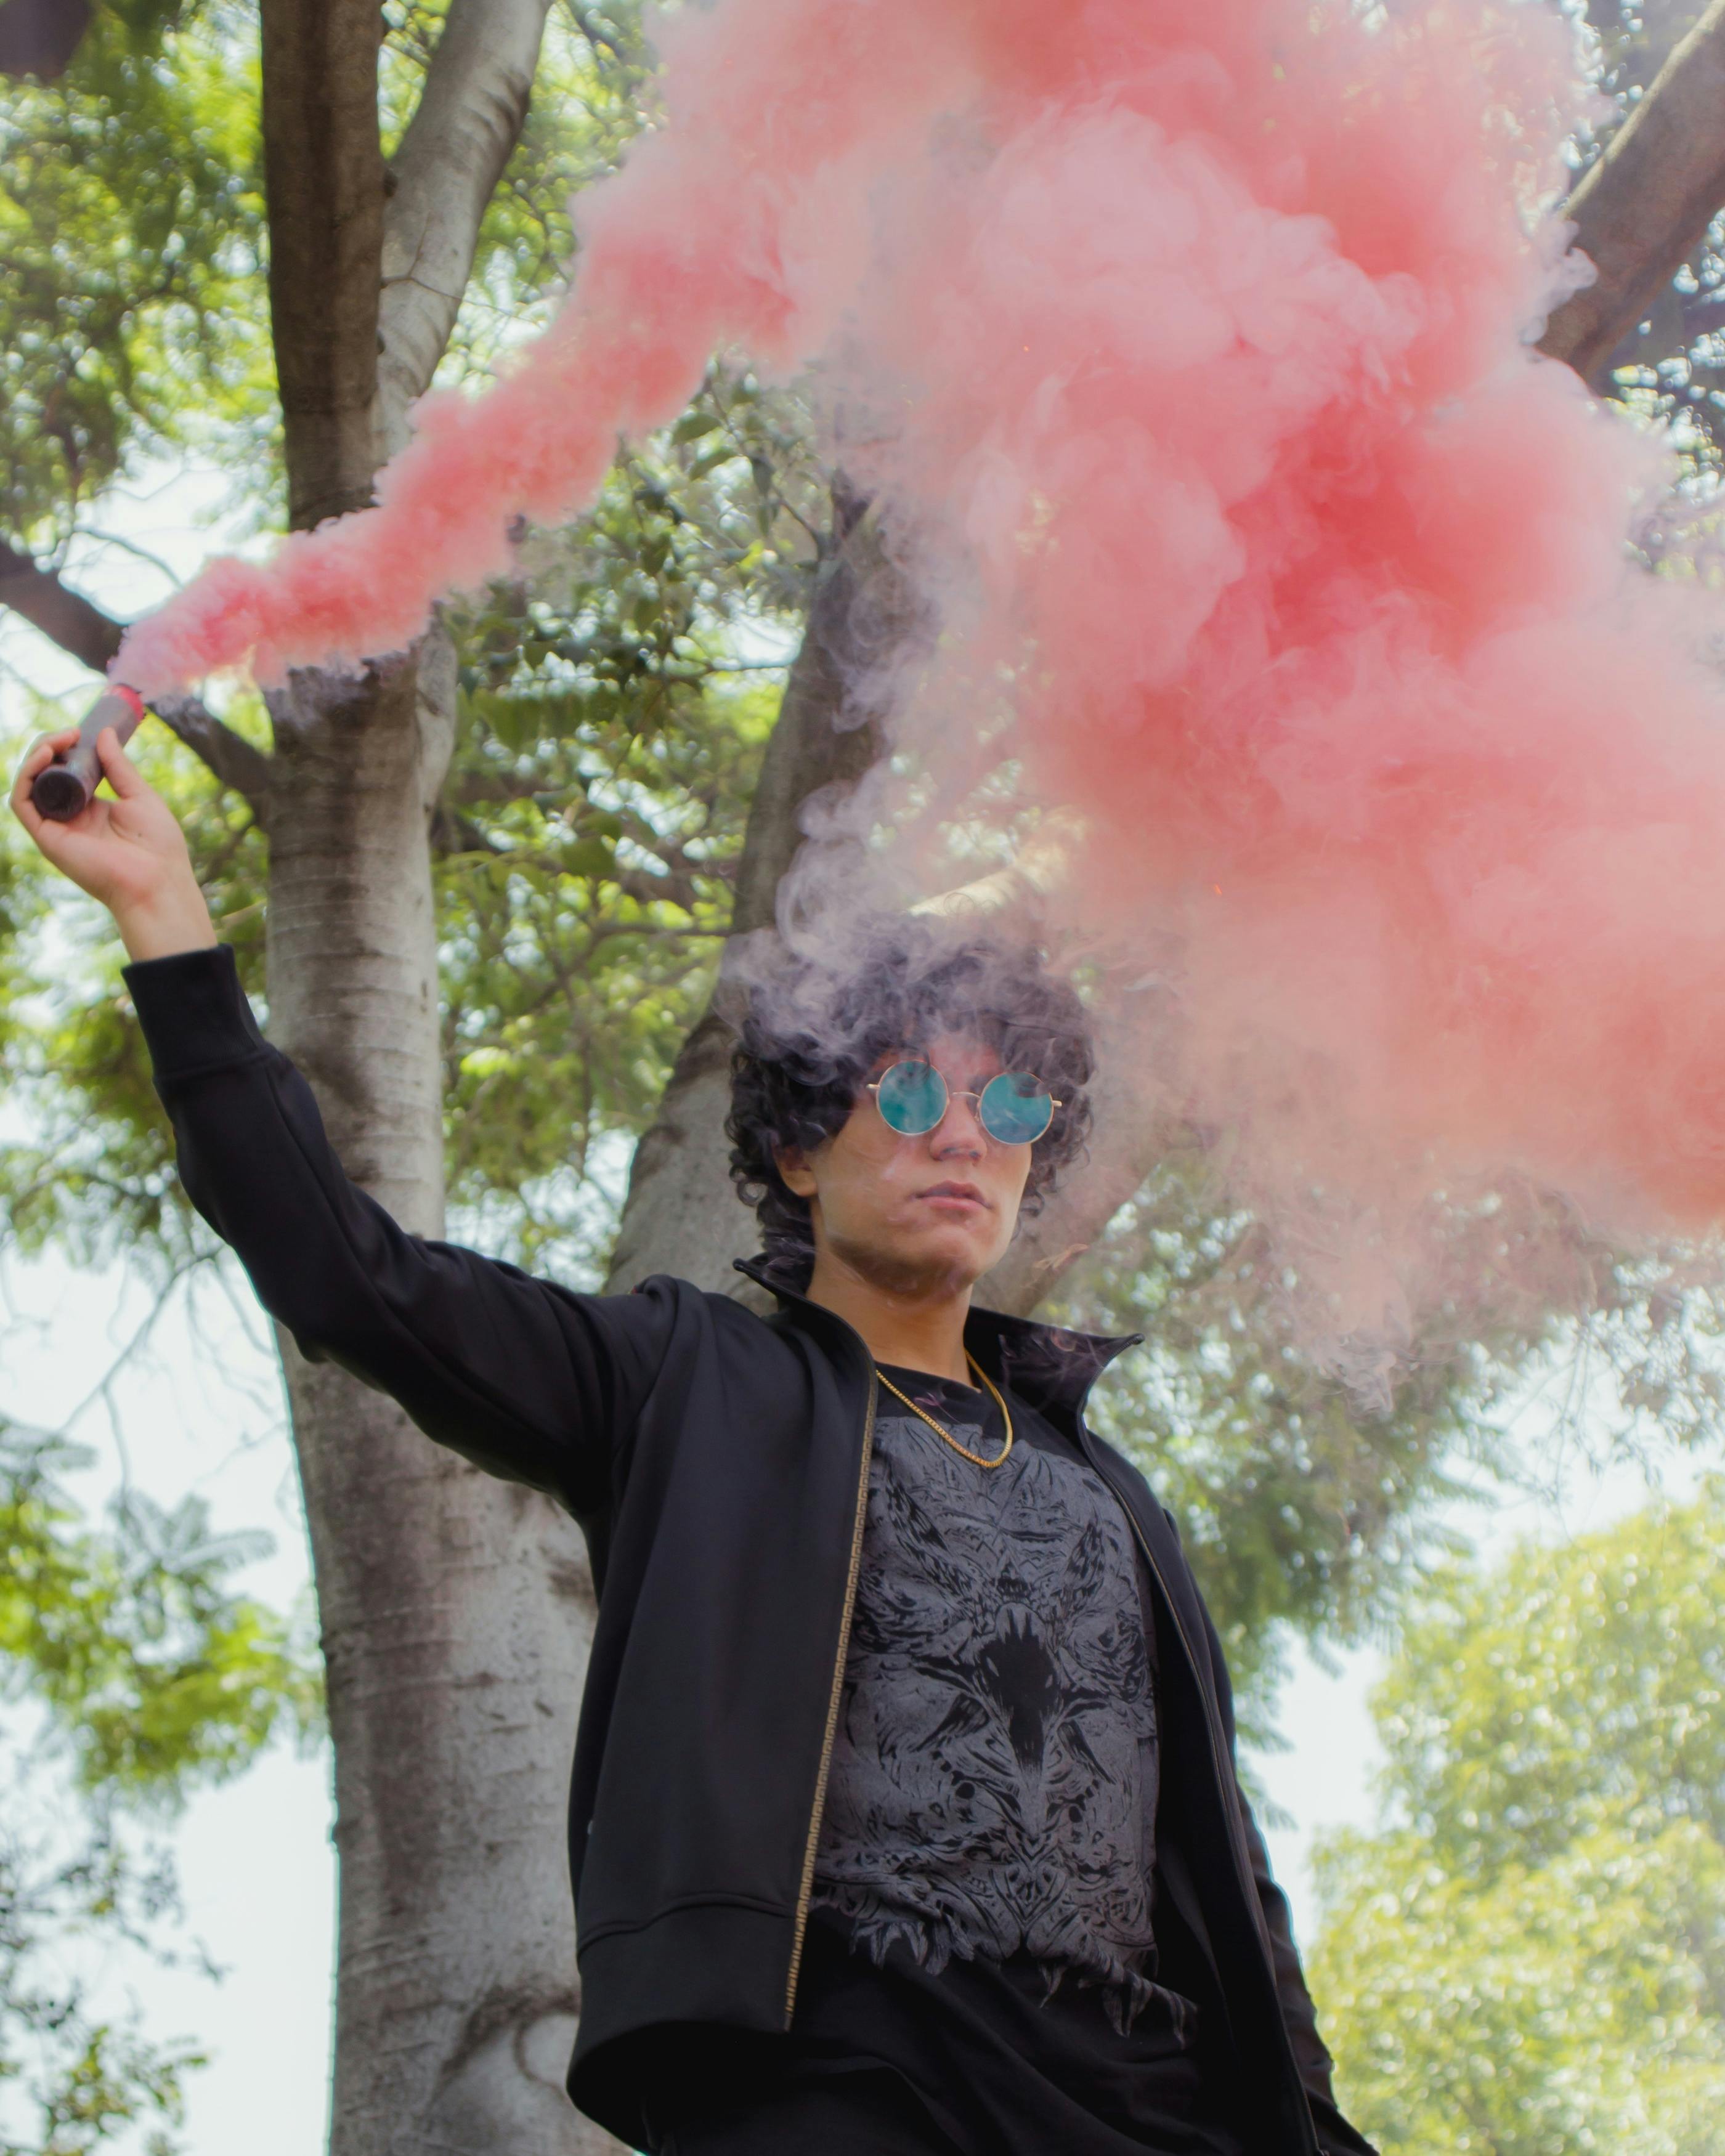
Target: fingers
(40, 755)
(122, 774)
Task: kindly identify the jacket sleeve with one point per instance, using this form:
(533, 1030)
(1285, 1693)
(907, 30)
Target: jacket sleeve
(1335, 2136)
(525, 1378)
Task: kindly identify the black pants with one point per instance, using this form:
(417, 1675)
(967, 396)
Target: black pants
(859, 2114)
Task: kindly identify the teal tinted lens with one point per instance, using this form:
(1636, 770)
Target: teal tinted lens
(1016, 1107)
(912, 1098)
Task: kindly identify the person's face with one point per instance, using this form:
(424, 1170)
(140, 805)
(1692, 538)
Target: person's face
(916, 1215)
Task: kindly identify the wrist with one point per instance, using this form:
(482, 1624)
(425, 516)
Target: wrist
(165, 923)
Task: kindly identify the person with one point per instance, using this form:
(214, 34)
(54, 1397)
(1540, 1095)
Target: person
(904, 1814)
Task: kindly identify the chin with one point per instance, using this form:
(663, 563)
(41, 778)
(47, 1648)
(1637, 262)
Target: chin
(931, 1265)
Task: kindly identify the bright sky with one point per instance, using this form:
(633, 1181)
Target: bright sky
(203, 1415)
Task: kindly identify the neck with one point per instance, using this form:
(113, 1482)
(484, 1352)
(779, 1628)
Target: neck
(917, 1329)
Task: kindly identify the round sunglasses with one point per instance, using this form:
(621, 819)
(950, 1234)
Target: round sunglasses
(1014, 1109)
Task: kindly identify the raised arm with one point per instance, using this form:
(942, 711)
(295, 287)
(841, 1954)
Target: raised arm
(524, 1378)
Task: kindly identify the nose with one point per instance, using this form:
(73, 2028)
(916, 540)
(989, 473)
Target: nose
(958, 1135)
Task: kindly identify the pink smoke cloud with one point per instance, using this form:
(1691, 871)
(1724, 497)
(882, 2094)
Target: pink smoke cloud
(1192, 342)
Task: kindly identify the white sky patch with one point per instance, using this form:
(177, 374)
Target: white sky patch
(199, 1412)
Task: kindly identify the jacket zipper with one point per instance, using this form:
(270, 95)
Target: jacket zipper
(805, 1893)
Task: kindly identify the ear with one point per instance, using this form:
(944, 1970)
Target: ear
(795, 1172)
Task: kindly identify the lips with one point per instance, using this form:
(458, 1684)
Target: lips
(954, 1198)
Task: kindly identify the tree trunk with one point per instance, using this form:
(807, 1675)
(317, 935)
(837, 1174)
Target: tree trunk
(323, 177)
(443, 173)
(681, 1214)
(1643, 209)
(456, 1610)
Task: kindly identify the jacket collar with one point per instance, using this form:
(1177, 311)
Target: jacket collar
(1051, 1366)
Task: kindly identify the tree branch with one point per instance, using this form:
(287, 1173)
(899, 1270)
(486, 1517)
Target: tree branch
(324, 183)
(81, 628)
(230, 757)
(825, 735)
(40, 38)
(680, 1215)
(65, 617)
(1640, 212)
(468, 122)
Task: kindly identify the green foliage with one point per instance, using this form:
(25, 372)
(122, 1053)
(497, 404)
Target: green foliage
(590, 98)
(1569, 2008)
(157, 1678)
(1531, 1961)
(132, 310)
(611, 720)
(1585, 1682)
(605, 761)
(71, 2077)
(134, 316)
(150, 1677)
(86, 1161)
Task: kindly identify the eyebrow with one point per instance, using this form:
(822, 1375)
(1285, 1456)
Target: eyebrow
(978, 1079)
(973, 1083)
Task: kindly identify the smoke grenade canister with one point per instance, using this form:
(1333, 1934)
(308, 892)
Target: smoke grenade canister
(64, 790)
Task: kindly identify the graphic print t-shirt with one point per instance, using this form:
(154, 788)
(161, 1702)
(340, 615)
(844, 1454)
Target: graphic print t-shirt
(992, 1792)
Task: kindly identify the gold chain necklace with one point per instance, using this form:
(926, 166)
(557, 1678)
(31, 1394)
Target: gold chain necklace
(940, 1428)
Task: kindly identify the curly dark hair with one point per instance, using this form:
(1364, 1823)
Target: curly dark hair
(813, 1032)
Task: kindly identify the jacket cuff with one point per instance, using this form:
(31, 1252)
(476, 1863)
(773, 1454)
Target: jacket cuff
(194, 1013)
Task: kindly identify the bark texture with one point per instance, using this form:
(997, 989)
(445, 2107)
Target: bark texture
(681, 1214)
(1639, 211)
(456, 1610)
(63, 615)
(445, 170)
(323, 180)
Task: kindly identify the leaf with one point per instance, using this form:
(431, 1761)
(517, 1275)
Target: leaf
(1534, 1965)
(590, 857)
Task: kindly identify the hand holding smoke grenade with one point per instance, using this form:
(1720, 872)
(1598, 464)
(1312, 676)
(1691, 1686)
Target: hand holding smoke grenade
(63, 789)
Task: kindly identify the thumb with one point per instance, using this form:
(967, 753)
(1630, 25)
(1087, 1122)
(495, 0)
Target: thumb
(122, 774)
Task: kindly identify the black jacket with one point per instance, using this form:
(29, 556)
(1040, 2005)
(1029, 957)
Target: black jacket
(717, 1462)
